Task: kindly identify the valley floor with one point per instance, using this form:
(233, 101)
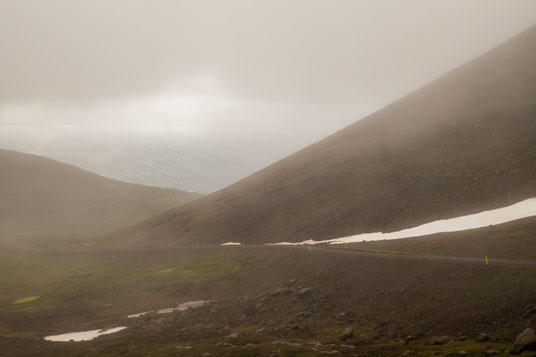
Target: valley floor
(265, 301)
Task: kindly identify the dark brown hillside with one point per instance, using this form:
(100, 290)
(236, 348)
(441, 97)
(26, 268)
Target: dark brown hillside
(46, 199)
(462, 144)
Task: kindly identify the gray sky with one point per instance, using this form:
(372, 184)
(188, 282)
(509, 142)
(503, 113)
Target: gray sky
(279, 64)
(243, 82)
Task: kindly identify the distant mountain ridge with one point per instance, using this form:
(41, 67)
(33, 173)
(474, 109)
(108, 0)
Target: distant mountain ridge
(46, 199)
(462, 144)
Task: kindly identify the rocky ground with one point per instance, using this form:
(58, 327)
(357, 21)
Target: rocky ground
(289, 301)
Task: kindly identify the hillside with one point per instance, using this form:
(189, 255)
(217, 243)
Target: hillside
(462, 144)
(47, 199)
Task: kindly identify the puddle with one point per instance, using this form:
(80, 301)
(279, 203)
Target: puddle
(182, 307)
(83, 336)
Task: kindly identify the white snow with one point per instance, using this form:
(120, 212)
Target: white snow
(140, 314)
(185, 306)
(182, 307)
(514, 212)
(83, 336)
(231, 243)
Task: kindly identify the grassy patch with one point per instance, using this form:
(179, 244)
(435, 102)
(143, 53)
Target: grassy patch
(25, 300)
(369, 250)
(201, 271)
(94, 285)
(471, 346)
(518, 275)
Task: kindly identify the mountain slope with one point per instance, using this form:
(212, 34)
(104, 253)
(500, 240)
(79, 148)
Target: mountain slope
(46, 199)
(462, 144)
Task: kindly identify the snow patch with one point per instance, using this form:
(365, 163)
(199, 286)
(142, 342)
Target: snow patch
(497, 216)
(83, 336)
(185, 306)
(182, 307)
(231, 243)
(135, 316)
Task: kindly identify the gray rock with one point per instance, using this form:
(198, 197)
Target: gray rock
(281, 291)
(385, 323)
(526, 340)
(530, 306)
(305, 292)
(224, 345)
(440, 340)
(529, 309)
(346, 334)
(233, 335)
(483, 337)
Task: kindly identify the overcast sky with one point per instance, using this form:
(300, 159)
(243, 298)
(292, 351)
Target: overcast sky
(279, 64)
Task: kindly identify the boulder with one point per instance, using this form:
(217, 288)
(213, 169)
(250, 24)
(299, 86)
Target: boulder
(281, 291)
(440, 340)
(233, 335)
(305, 292)
(346, 334)
(483, 337)
(526, 340)
(529, 310)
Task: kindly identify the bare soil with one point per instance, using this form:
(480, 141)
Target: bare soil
(393, 305)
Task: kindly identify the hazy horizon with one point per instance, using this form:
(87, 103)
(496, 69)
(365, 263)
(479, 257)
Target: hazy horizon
(254, 81)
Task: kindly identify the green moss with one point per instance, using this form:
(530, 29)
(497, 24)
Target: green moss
(471, 346)
(25, 300)
(370, 250)
(86, 281)
(200, 271)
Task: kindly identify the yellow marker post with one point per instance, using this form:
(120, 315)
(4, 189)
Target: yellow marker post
(310, 248)
(486, 260)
